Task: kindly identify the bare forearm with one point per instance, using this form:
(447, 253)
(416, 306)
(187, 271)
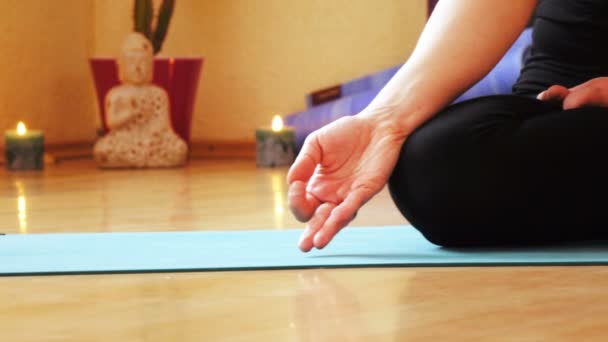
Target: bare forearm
(462, 41)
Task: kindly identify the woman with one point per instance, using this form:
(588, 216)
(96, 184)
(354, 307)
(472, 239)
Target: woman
(525, 168)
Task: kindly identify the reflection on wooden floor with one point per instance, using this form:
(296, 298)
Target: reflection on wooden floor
(207, 195)
(376, 304)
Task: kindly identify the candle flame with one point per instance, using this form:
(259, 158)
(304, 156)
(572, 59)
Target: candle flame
(277, 123)
(21, 129)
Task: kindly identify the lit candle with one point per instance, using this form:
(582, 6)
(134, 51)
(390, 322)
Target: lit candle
(275, 145)
(24, 149)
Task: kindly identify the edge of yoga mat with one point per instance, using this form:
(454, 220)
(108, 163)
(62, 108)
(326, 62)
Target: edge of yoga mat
(390, 246)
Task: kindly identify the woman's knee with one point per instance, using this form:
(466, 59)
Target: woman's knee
(444, 176)
(420, 182)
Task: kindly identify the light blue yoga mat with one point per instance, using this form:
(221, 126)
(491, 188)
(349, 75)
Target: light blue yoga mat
(49, 254)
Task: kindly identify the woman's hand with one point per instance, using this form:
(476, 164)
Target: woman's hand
(340, 167)
(591, 93)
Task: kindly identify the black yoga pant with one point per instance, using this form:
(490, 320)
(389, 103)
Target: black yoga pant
(506, 170)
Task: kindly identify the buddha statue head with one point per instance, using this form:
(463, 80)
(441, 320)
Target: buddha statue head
(136, 62)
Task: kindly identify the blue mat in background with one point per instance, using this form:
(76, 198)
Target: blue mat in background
(94, 253)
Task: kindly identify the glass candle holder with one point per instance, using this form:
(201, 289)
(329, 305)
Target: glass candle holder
(275, 145)
(24, 149)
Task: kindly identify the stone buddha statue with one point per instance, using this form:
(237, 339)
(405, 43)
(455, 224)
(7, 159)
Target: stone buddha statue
(138, 115)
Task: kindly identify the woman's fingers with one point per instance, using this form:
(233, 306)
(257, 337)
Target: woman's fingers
(301, 203)
(585, 95)
(591, 93)
(554, 93)
(306, 162)
(317, 221)
(341, 216)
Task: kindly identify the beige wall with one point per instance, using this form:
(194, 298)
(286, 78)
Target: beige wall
(261, 56)
(44, 76)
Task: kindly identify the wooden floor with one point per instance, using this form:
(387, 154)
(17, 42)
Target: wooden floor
(402, 304)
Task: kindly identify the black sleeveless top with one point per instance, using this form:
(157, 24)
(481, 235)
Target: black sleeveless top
(569, 45)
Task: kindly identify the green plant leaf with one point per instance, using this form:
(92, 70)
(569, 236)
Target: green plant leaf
(162, 24)
(143, 12)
